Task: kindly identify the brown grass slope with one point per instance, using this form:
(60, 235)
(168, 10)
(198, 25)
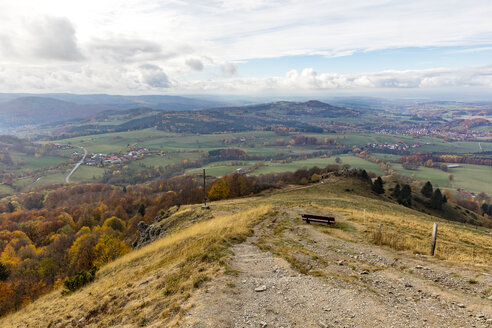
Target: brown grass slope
(149, 287)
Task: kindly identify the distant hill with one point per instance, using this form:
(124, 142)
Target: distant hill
(25, 109)
(294, 115)
(38, 110)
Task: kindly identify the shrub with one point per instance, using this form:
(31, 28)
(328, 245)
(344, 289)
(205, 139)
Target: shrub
(79, 280)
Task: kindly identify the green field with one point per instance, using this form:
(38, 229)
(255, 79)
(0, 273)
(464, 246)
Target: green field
(87, 174)
(30, 162)
(458, 147)
(179, 148)
(222, 168)
(169, 158)
(5, 190)
(387, 157)
(354, 162)
(219, 169)
(115, 142)
(475, 178)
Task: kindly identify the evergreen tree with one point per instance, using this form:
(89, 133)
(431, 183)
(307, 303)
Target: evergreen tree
(11, 207)
(427, 189)
(485, 208)
(4, 273)
(377, 187)
(405, 197)
(141, 209)
(436, 200)
(364, 175)
(396, 191)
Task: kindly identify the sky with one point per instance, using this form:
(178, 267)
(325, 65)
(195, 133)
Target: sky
(255, 47)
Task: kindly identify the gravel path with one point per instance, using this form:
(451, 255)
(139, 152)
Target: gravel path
(347, 285)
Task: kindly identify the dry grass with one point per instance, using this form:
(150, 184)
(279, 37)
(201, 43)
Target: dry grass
(147, 287)
(404, 229)
(407, 230)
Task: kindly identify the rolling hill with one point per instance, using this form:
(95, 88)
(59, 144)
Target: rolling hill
(39, 110)
(252, 262)
(22, 109)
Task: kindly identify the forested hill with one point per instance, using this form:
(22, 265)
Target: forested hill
(300, 116)
(23, 109)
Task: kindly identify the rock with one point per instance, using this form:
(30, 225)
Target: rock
(365, 272)
(197, 216)
(142, 226)
(490, 297)
(461, 306)
(148, 233)
(261, 288)
(340, 262)
(322, 324)
(408, 285)
(263, 324)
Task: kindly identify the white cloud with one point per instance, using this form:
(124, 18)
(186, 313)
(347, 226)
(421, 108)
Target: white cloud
(228, 68)
(113, 39)
(154, 76)
(54, 38)
(194, 64)
(310, 81)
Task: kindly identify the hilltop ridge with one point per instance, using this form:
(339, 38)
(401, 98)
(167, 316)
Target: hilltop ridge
(251, 262)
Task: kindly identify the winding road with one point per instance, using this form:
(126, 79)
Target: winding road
(67, 179)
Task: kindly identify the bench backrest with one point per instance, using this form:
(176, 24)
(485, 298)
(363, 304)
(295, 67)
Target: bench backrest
(318, 217)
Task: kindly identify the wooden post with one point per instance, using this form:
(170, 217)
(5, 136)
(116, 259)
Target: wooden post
(434, 239)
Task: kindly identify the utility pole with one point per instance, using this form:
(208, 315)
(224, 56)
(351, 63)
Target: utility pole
(205, 206)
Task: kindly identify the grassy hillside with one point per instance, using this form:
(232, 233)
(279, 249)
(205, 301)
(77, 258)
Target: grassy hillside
(150, 286)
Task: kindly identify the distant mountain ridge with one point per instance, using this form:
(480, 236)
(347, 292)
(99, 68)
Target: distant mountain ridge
(29, 109)
(38, 110)
(294, 115)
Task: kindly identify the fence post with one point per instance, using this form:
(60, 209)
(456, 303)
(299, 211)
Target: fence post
(434, 239)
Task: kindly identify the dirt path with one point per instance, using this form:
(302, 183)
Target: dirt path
(345, 285)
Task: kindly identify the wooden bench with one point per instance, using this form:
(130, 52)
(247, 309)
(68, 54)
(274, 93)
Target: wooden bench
(318, 218)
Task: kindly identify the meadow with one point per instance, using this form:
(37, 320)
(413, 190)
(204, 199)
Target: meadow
(226, 167)
(171, 148)
(476, 178)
